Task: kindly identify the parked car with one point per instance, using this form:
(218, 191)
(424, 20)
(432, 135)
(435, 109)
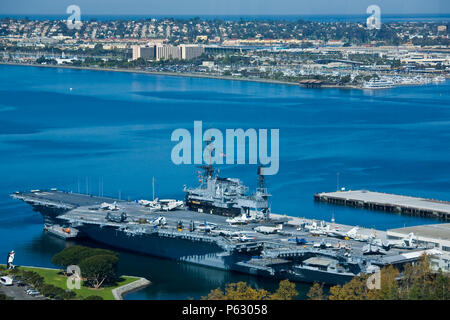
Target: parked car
(6, 281)
(20, 283)
(33, 292)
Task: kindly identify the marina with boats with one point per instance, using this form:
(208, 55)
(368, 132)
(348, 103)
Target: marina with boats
(387, 82)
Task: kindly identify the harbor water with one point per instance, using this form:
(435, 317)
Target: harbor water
(109, 132)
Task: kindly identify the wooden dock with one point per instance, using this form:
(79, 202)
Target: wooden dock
(388, 202)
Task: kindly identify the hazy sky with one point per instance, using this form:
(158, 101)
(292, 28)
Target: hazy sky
(225, 7)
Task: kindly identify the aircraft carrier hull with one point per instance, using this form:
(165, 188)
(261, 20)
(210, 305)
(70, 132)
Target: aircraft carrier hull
(305, 275)
(152, 244)
(49, 214)
(205, 254)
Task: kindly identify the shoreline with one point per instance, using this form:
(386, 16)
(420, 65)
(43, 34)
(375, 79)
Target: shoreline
(137, 285)
(173, 74)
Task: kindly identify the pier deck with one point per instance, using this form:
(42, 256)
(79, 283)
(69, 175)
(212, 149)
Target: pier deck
(388, 202)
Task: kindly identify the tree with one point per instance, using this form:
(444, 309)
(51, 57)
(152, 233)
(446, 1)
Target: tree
(99, 269)
(286, 291)
(76, 254)
(441, 287)
(356, 289)
(389, 286)
(237, 291)
(42, 60)
(98, 266)
(215, 294)
(98, 48)
(70, 256)
(5, 297)
(316, 292)
(396, 63)
(418, 282)
(344, 80)
(55, 292)
(242, 291)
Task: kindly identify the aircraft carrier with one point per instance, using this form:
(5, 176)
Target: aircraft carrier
(220, 226)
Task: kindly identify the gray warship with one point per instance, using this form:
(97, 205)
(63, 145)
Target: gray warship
(227, 196)
(219, 226)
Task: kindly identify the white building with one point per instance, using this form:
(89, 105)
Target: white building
(143, 52)
(432, 235)
(167, 52)
(191, 51)
(440, 261)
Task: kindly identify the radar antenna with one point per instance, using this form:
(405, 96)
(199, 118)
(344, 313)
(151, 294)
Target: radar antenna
(261, 178)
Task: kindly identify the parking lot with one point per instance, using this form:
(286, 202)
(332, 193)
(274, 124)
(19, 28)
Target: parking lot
(18, 292)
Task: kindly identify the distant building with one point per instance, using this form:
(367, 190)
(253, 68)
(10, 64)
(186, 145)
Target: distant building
(143, 52)
(442, 28)
(191, 51)
(164, 52)
(161, 51)
(201, 38)
(440, 261)
(335, 43)
(148, 52)
(156, 41)
(208, 64)
(216, 49)
(433, 235)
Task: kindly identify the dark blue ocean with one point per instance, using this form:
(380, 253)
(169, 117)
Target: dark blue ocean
(117, 126)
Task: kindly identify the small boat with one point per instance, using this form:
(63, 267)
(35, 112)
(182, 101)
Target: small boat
(378, 84)
(439, 79)
(61, 231)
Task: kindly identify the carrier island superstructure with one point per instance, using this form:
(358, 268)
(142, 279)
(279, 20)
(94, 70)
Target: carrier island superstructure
(227, 196)
(219, 225)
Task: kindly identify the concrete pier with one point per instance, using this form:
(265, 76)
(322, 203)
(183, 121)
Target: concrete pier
(135, 285)
(400, 204)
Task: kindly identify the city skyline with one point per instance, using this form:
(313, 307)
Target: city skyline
(231, 7)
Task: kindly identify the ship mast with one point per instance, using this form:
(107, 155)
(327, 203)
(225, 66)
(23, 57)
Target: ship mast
(262, 191)
(153, 188)
(208, 168)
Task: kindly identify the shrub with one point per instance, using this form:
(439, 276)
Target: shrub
(5, 297)
(54, 292)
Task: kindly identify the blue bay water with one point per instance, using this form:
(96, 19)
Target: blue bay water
(117, 126)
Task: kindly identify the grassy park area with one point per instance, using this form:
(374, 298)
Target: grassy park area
(56, 278)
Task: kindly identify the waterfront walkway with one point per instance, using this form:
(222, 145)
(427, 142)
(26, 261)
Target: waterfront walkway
(119, 292)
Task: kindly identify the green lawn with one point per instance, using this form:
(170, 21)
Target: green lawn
(52, 276)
